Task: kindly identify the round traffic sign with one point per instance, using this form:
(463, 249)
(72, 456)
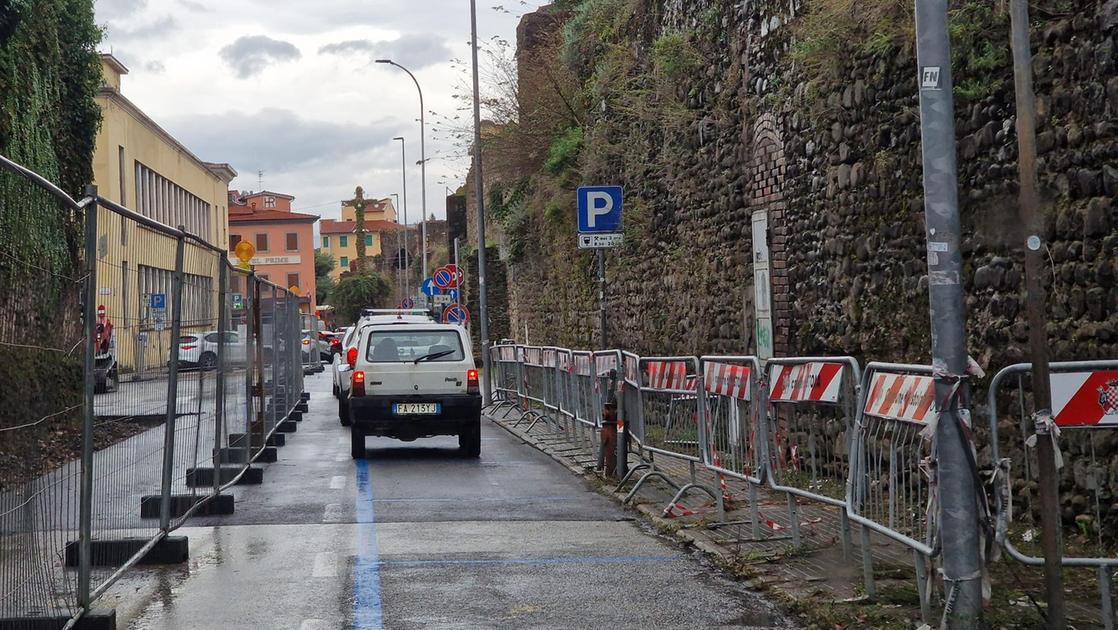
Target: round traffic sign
(407, 303)
(444, 278)
(456, 314)
(459, 276)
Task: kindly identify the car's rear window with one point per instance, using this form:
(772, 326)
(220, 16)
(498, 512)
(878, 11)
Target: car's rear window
(399, 346)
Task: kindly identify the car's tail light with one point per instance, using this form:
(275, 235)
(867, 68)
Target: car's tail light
(471, 382)
(351, 357)
(358, 383)
(306, 342)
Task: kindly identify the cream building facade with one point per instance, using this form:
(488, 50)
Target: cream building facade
(142, 167)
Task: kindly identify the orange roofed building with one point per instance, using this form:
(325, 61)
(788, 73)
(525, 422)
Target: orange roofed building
(284, 240)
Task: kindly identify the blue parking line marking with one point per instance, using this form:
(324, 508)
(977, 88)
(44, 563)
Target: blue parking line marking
(367, 613)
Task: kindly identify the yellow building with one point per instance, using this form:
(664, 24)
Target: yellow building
(382, 233)
(142, 167)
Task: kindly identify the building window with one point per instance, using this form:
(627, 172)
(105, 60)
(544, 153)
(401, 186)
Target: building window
(261, 242)
(343, 241)
(233, 240)
(161, 199)
(292, 280)
(326, 242)
(345, 261)
(292, 242)
(269, 202)
(234, 283)
(368, 240)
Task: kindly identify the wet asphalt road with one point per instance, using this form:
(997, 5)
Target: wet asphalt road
(419, 537)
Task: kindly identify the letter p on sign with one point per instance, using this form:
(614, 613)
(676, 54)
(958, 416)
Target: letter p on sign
(599, 209)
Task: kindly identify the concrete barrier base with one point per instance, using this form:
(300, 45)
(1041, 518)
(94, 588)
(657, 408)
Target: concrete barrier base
(180, 503)
(203, 476)
(93, 620)
(112, 553)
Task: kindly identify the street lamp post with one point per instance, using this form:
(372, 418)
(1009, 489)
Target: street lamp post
(400, 278)
(479, 182)
(404, 174)
(422, 157)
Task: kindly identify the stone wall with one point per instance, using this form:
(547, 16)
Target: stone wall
(835, 162)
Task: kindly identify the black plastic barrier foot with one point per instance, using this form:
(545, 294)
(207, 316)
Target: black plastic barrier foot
(181, 503)
(113, 553)
(92, 620)
(302, 407)
(203, 476)
(287, 426)
(241, 455)
(297, 416)
(305, 395)
(239, 440)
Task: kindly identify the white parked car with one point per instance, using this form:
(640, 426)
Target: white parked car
(341, 366)
(412, 379)
(200, 349)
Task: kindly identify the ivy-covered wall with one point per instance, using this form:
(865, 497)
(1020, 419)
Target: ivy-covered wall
(49, 74)
(708, 111)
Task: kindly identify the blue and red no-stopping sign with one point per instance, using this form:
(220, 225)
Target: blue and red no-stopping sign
(444, 279)
(456, 314)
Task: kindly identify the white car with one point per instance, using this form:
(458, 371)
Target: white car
(200, 349)
(343, 362)
(413, 379)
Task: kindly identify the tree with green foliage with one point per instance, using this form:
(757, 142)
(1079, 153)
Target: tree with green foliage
(324, 264)
(357, 291)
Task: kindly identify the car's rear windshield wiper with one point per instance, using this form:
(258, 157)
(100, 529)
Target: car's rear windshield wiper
(433, 356)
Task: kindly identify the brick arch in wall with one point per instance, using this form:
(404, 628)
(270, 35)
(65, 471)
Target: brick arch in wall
(766, 201)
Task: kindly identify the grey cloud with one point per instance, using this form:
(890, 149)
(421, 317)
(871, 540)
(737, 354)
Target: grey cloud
(279, 140)
(250, 55)
(155, 67)
(414, 51)
(347, 47)
(115, 9)
(195, 6)
(151, 30)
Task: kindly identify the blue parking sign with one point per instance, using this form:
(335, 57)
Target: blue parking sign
(599, 209)
(159, 301)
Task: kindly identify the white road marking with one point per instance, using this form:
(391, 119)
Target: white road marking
(325, 565)
(337, 482)
(333, 513)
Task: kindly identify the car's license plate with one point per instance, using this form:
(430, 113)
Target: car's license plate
(417, 409)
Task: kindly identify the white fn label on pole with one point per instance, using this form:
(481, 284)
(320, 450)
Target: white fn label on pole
(930, 78)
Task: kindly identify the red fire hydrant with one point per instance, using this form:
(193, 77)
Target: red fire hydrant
(607, 457)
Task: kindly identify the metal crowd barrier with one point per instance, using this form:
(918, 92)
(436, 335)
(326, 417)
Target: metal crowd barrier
(673, 414)
(506, 366)
(889, 490)
(164, 367)
(814, 402)
(1084, 405)
(533, 384)
(734, 424)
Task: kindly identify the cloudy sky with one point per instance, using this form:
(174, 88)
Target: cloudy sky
(288, 87)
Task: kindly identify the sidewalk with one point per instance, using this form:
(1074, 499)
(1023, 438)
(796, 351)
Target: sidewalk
(814, 580)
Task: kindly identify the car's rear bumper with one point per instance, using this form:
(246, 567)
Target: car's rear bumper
(373, 415)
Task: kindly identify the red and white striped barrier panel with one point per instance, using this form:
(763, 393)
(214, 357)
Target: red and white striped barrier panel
(667, 374)
(582, 365)
(1085, 399)
(533, 356)
(727, 379)
(603, 363)
(550, 357)
(817, 381)
(632, 368)
(563, 362)
(506, 353)
(906, 397)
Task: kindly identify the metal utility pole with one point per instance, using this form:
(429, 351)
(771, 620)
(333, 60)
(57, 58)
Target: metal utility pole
(958, 505)
(1029, 212)
(422, 156)
(479, 183)
(407, 268)
(604, 338)
(400, 283)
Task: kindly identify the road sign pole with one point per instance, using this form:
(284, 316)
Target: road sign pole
(958, 505)
(604, 337)
(1029, 212)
